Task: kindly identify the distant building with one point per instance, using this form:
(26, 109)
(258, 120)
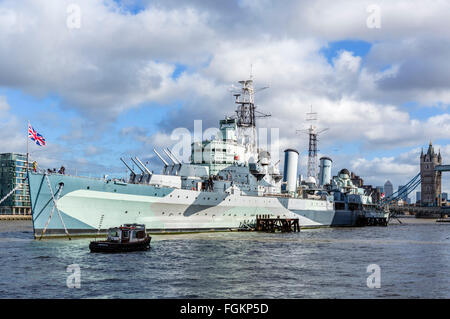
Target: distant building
(444, 197)
(431, 179)
(13, 173)
(417, 197)
(380, 189)
(388, 189)
(356, 180)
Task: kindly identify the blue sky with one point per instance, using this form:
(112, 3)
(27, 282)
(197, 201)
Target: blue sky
(136, 70)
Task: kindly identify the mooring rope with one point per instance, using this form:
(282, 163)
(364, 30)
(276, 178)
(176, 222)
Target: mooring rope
(55, 206)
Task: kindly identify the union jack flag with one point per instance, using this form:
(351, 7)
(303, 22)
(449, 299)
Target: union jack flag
(35, 136)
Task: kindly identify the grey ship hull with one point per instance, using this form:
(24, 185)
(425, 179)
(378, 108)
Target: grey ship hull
(87, 205)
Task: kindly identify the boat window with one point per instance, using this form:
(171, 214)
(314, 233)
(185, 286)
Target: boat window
(113, 233)
(125, 234)
(140, 234)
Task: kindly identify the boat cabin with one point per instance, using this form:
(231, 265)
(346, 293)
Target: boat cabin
(127, 233)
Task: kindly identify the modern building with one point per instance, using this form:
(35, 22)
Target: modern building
(431, 179)
(444, 197)
(418, 197)
(388, 189)
(12, 174)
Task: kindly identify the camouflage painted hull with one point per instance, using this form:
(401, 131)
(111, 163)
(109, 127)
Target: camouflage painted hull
(87, 205)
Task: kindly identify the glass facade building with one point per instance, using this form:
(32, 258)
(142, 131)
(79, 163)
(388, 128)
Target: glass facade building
(13, 173)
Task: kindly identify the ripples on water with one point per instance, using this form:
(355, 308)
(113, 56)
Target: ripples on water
(319, 263)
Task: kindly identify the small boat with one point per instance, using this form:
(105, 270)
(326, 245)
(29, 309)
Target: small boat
(128, 237)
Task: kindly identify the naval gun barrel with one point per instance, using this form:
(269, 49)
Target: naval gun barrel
(128, 166)
(145, 167)
(173, 155)
(176, 163)
(161, 158)
(138, 166)
(166, 165)
(172, 158)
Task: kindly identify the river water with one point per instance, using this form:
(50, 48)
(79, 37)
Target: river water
(414, 261)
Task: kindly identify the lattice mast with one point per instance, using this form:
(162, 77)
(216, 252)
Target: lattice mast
(313, 134)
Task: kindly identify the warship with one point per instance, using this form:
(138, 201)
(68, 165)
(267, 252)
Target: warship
(227, 183)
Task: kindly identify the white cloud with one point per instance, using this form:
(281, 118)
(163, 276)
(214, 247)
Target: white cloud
(117, 61)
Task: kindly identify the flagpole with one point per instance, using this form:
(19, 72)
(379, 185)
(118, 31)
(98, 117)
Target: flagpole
(28, 125)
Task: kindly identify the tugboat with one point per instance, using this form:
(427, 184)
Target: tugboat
(128, 237)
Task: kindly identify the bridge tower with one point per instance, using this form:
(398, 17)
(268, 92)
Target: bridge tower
(431, 179)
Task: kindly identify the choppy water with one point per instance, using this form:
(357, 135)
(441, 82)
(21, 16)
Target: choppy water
(320, 263)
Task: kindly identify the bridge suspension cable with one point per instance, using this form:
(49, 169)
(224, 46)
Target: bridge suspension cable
(405, 191)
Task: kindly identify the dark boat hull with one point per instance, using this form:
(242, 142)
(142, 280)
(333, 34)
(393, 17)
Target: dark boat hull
(110, 247)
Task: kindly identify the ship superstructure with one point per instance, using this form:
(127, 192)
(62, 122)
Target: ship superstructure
(227, 183)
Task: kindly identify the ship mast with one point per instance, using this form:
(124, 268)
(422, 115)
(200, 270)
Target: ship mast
(313, 134)
(246, 114)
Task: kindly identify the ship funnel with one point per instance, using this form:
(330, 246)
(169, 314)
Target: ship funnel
(325, 171)
(290, 170)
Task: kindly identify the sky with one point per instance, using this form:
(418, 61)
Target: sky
(107, 79)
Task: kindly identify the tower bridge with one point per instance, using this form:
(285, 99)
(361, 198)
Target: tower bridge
(430, 179)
